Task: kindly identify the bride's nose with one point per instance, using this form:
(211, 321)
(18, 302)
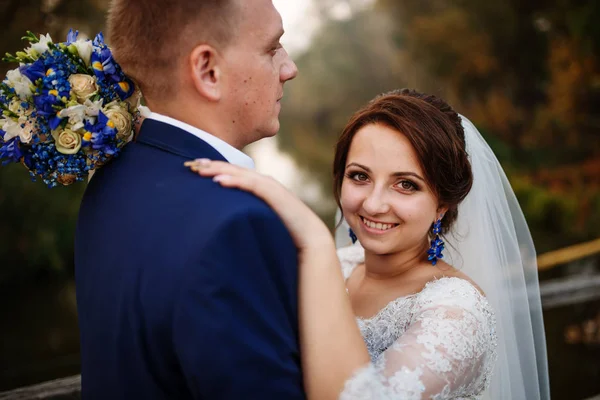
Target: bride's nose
(376, 202)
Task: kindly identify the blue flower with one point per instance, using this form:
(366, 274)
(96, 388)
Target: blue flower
(45, 104)
(99, 40)
(72, 36)
(45, 107)
(103, 64)
(10, 151)
(125, 88)
(103, 135)
(50, 74)
(34, 71)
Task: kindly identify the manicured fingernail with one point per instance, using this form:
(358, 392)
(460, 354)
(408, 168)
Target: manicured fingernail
(202, 161)
(221, 178)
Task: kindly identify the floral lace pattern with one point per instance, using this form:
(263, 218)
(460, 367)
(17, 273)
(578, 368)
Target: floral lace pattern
(439, 343)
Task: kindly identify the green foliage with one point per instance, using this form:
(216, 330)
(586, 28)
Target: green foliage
(527, 74)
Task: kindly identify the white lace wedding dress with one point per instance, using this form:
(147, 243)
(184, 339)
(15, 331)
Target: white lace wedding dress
(439, 343)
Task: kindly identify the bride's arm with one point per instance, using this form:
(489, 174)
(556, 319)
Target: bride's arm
(332, 348)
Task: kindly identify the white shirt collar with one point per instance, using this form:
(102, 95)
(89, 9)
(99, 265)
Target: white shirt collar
(231, 154)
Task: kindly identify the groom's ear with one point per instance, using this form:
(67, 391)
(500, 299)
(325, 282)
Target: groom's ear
(206, 72)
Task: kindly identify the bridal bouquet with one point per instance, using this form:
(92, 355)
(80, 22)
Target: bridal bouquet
(66, 110)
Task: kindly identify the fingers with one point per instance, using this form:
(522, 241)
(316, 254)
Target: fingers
(207, 167)
(298, 217)
(227, 174)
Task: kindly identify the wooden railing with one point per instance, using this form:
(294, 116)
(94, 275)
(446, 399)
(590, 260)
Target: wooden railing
(567, 255)
(60, 389)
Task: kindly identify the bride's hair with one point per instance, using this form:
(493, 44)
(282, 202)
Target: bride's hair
(435, 132)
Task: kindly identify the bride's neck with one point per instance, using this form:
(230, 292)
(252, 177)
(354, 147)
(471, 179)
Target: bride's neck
(387, 266)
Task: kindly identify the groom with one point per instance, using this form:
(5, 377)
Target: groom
(185, 289)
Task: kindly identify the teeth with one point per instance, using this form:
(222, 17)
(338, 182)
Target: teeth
(377, 225)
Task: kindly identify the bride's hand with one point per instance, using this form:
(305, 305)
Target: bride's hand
(306, 228)
(332, 346)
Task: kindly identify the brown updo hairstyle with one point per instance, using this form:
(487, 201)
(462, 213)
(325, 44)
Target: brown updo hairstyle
(435, 131)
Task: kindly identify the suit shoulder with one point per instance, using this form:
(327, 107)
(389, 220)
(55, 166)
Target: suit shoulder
(229, 203)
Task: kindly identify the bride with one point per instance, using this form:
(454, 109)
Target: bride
(400, 314)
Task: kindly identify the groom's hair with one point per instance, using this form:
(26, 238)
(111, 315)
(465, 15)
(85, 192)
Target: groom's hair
(149, 37)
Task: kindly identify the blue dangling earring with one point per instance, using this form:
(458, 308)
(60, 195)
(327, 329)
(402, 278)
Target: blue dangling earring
(352, 235)
(437, 245)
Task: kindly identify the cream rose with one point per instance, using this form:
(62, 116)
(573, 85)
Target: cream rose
(67, 142)
(83, 86)
(135, 99)
(27, 131)
(16, 107)
(121, 118)
(23, 128)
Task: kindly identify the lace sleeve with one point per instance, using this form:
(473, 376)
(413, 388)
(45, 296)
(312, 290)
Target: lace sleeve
(447, 352)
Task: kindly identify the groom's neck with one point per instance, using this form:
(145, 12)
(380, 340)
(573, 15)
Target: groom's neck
(205, 118)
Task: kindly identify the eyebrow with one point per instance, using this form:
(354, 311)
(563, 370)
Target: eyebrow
(395, 174)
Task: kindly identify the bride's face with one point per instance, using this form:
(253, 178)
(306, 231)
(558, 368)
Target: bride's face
(384, 196)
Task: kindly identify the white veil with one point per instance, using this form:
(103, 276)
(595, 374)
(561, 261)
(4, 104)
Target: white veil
(491, 243)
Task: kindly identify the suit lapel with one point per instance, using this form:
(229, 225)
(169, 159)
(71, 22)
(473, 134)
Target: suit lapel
(176, 141)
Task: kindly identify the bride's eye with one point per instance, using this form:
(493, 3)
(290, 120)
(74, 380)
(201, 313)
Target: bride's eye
(407, 186)
(357, 176)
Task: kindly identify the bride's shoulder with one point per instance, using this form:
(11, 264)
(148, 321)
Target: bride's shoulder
(453, 292)
(350, 257)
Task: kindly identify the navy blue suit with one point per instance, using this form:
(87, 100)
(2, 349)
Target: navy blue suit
(185, 289)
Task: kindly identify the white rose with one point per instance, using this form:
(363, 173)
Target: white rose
(13, 129)
(121, 119)
(67, 141)
(84, 48)
(83, 86)
(20, 83)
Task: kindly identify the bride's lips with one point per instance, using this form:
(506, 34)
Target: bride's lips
(376, 227)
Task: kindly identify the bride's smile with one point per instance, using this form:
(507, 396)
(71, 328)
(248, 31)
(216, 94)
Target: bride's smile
(385, 199)
(377, 227)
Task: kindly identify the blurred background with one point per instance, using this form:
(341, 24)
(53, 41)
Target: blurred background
(527, 73)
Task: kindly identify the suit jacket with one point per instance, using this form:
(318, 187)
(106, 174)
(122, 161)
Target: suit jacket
(185, 289)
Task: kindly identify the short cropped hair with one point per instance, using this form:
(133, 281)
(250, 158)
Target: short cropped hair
(149, 37)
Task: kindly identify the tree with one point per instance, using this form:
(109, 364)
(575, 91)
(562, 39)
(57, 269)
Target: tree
(525, 73)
